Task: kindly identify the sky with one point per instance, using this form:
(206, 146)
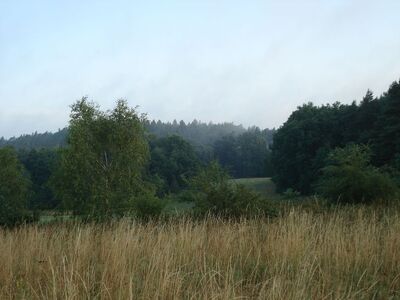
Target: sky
(247, 62)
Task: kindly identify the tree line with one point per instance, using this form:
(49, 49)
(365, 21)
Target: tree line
(111, 165)
(201, 135)
(243, 152)
(344, 151)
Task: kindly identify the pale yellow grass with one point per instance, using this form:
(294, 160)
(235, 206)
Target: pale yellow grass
(347, 254)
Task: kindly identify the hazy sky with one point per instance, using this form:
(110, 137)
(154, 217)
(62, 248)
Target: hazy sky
(249, 62)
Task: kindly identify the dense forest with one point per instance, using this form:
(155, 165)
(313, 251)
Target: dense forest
(303, 145)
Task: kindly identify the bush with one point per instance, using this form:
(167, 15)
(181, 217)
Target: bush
(348, 177)
(291, 194)
(148, 207)
(217, 195)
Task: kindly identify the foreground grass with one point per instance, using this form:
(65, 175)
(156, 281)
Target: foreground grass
(345, 253)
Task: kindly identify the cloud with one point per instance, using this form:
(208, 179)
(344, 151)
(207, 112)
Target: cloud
(218, 61)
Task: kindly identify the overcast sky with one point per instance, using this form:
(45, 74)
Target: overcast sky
(248, 62)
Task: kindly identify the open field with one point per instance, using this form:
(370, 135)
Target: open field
(348, 253)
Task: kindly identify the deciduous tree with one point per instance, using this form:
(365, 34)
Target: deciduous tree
(101, 168)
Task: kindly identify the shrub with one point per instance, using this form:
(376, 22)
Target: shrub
(348, 177)
(217, 195)
(148, 206)
(291, 193)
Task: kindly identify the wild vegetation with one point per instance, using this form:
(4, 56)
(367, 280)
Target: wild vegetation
(137, 214)
(348, 253)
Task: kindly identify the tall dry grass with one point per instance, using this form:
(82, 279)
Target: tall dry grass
(338, 255)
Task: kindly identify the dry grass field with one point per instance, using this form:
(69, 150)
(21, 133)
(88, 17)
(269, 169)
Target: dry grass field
(342, 254)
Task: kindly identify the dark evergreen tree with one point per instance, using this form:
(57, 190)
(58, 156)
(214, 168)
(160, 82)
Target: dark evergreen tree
(387, 138)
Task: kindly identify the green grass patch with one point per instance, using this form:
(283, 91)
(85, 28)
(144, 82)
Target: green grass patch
(264, 186)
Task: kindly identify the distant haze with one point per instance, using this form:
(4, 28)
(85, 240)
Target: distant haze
(248, 62)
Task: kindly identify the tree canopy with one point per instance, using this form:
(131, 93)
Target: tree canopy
(302, 143)
(174, 160)
(101, 168)
(14, 188)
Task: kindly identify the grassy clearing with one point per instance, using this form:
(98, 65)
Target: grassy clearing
(176, 207)
(349, 253)
(264, 186)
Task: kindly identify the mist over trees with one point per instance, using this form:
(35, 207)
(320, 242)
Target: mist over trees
(198, 133)
(80, 167)
(37, 140)
(247, 154)
(241, 151)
